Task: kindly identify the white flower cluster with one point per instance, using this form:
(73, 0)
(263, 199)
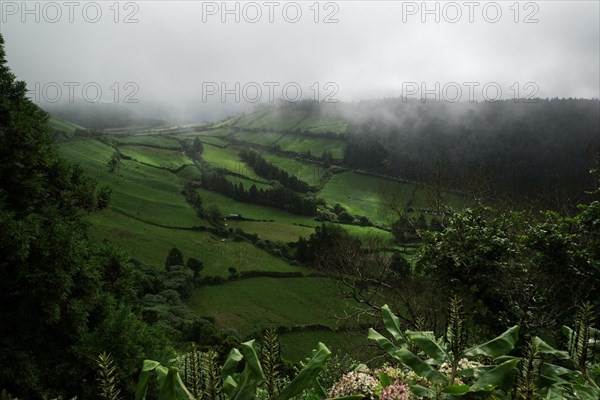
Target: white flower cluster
(463, 364)
(354, 383)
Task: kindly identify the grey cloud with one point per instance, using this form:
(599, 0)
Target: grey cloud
(370, 53)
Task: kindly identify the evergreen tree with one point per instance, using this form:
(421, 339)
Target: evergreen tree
(175, 257)
(63, 299)
(195, 265)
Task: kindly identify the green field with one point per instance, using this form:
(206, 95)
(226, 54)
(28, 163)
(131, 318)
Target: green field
(169, 159)
(213, 140)
(147, 193)
(252, 211)
(163, 142)
(251, 305)
(63, 125)
(274, 231)
(272, 119)
(260, 138)
(217, 132)
(247, 183)
(297, 346)
(316, 145)
(228, 158)
(189, 172)
(359, 194)
(150, 244)
(370, 233)
(320, 125)
(149, 215)
(308, 172)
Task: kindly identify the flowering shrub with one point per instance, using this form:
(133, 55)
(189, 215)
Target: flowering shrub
(463, 365)
(356, 383)
(395, 391)
(386, 383)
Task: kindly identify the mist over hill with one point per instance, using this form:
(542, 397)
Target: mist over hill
(514, 146)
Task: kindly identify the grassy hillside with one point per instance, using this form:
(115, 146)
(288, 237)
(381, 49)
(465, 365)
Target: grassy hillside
(311, 173)
(252, 211)
(254, 304)
(149, 214)
(63, 125)
(156, 157)
(290, 117)
(150, 244)
(313, 145)
(274, 231)
(228, 158)
(359, 193)
(160, 141)
(147, 193)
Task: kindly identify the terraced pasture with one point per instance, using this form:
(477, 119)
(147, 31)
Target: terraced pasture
(169, 159)
(308, 172)
(163, 142)
(251, 305)
(150, 244)
(316, 145)
(253, 211)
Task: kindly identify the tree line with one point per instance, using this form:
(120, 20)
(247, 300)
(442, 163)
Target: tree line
(518, 147)
(276, 197)
(266, 170)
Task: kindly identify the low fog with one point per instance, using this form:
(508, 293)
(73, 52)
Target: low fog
(191, 60)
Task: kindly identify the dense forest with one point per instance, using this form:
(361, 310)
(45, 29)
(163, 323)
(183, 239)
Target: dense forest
(533, 148)
(523, 146)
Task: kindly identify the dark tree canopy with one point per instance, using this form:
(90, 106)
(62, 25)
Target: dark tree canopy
(62, 298)
(175, 257)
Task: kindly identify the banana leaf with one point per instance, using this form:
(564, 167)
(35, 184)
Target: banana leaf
(496, 347)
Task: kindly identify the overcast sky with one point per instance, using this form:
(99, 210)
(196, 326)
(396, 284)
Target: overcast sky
(179, 50)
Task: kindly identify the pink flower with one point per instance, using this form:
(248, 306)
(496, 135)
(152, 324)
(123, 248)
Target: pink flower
(396, 391)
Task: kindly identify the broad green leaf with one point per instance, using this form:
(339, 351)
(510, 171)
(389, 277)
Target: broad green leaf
(496, 347)
(319, 390)
(231, 363)
(568, 332)
(456, 390)
(392, 324)
(384, 380)
(554, 370)
(421, 391)
(249, 352)
(149, 365)
(383, 342)
(229, 369)
(361, 368)
(467, 373)
(170, 383)
(545, 348)
(173, 388)
(246, 386)
(161, 374)
(502, 359)
(495, 377)
(142, 386)
(426, 342)
(308, 375)
(229, 386)
(420, 367)
(553, 392)
(586, 392)
(551, 380)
